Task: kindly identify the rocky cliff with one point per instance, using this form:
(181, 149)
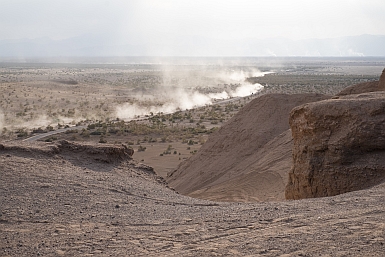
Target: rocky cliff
(381, 84)
(339, 145)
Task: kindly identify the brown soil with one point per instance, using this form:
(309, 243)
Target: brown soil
(54, 203)
(89, 199)
(249, 158)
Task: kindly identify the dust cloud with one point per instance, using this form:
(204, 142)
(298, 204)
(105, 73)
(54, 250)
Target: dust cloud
(43, 121)
(242, 75)
(169, 101)
(185, 95)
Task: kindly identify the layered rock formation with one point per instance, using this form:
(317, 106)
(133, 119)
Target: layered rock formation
(87, 155)
(339, 145)
(248, 158)
(102, 152)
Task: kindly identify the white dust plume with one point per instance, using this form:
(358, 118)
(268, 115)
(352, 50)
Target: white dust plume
(245, 90)
(183, 95)
(241, 75)
(171, 101)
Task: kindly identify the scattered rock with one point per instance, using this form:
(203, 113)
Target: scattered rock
(145, 168)
(104, 153)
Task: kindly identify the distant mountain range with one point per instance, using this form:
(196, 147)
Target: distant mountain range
(363, 45)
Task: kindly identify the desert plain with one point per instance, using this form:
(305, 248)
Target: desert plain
(81, 192)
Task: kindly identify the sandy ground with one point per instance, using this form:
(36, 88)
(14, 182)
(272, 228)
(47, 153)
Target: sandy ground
(167, 162)
(66, 204)
(61, 204)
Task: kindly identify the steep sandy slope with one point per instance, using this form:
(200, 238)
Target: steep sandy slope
(248, 158)
(262, 175)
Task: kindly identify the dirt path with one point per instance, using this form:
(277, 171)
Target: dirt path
(51, 133)
(54, 132)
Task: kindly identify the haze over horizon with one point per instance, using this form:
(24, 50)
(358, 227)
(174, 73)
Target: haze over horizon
(192, 28)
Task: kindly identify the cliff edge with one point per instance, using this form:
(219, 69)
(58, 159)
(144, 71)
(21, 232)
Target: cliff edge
(339, 145)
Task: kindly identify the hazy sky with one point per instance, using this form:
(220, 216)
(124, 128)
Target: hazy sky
(145, 21)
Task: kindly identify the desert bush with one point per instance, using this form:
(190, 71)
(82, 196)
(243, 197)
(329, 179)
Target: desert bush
(21, 133)
(50, 139)
(72, 131)
(71, 112)
(85, 133)
(4, 131)
(21, 114)
(39, 130)
(102, 140)
(96, 133)
(113, 130)
(142, 148)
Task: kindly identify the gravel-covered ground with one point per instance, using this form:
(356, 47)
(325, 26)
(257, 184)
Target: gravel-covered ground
(65, 204)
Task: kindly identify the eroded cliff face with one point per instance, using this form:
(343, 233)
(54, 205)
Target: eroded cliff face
(339, 145)
(381, 84)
